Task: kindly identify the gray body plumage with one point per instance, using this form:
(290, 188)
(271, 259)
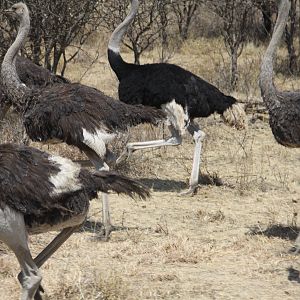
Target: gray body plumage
(283, 106)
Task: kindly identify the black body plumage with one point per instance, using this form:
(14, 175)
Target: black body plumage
(25, 186)
(63, 110)
(158, 84)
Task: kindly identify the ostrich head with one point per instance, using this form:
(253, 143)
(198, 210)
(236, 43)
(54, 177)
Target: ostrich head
(235, 116)
(18, 10)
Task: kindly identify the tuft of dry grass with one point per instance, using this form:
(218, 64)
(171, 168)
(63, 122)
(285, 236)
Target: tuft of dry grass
(93, 286)
(174, 247)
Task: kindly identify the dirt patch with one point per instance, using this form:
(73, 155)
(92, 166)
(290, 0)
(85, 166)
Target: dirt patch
(229, 241)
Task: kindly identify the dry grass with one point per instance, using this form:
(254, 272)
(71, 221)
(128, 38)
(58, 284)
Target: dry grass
(230, 241)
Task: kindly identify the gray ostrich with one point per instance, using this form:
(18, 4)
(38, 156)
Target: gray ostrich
(40, 193)
(72, 113)
(283, 106)
(33, 76)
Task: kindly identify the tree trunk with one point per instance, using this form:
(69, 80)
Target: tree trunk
(267, 18)
(290, 38)
(55, 59)
(137, 54)
(234, 68)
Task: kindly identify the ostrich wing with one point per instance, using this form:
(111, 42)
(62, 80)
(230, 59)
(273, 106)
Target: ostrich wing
(24, 178)
(63, 111)
(34, 75)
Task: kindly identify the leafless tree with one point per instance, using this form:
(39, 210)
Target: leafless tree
(267, 8)
(184, 12)
(147, 27)
(56, 25)
(290, 37)
(235, 16)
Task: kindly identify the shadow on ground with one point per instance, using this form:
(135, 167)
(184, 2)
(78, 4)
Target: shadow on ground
(168, 185)
(293, 274)
(163, 185)
(280, 231)
(96, 227)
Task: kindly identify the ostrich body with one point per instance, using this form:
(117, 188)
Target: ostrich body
(72, 113)
(41, 193)
(32, 75)
(283, 106)
(183, 95)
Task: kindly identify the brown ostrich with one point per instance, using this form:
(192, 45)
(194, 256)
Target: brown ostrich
(72, 113)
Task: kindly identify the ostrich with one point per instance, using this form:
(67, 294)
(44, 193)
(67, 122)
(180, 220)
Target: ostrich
(72, 113)
(183, 95)
(32, 75)
(283, 106)
(41, 193)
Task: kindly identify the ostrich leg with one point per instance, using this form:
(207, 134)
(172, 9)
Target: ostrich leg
(13, 234)
(46, 254)
(174, 140)
(100, 165)
(198, 137)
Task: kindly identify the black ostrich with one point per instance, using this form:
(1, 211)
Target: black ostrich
(183, 95)
(41, 193)
(72, 113)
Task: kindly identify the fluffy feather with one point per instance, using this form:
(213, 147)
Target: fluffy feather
(26, 185)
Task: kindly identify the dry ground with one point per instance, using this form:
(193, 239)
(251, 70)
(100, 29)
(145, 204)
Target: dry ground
(230, 241)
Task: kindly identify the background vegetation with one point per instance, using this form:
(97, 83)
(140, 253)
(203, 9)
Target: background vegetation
(61, 28)
(229, 241)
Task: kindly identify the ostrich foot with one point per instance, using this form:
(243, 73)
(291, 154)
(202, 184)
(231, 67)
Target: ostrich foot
(191, 191)
(38, 295)
(104, 233)
(40, 290)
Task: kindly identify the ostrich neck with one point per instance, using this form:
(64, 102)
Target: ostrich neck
(266, 74)
(118, 34)
(14, 88)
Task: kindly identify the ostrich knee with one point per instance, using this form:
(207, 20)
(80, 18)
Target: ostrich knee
(198, 136)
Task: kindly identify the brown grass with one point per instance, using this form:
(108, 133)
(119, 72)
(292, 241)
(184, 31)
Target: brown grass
(174, 247)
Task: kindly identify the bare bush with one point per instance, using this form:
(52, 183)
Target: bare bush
(147, 27)
(55, 26)
(235, 16)
(184, 12)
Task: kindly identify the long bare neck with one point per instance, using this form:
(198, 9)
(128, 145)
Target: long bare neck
(12, 84)
(118, 34)
(266, 72)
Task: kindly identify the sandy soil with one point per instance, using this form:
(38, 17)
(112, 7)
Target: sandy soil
(230, 241)
(226, 242)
